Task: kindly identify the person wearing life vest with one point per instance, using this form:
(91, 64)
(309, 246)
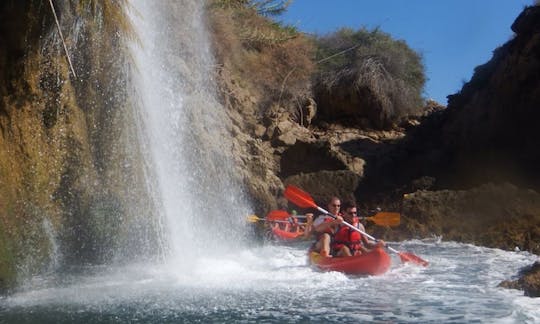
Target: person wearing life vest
(293, 222)
(324, 227)
(348, 242)
(308, 227)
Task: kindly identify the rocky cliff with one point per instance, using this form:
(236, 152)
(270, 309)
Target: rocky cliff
(467, 172)
(476, 159)
(482, 140)
(61, 186)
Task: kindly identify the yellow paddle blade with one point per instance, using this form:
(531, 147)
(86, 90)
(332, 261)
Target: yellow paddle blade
(386, 219)
(253, 219)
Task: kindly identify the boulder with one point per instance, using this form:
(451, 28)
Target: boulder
(528, 21)
(529, 281)
(322, 185)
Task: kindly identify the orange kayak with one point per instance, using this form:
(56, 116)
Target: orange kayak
(286, 235)
(375, 262)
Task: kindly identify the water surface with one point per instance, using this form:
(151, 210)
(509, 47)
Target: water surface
(273, 284)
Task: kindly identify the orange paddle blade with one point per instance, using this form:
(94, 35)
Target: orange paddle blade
(409, 257)
(385, 219)
(277, 215)
(299, 197)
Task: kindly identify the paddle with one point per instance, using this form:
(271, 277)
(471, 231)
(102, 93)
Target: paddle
(380, 218)
(274, 215)
(385, 219)
(304, 200)
(255, 218)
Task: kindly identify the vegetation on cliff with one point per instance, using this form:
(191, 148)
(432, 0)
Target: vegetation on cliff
(470, 167)
(267, 73)
(57, 134)
(367, 75)
(59, 178)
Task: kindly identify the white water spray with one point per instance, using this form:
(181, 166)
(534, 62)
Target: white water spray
(184, 131)
(51, 235)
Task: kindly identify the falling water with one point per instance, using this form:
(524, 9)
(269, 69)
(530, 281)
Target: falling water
(51, 235)
(184, 135)
(184, 131)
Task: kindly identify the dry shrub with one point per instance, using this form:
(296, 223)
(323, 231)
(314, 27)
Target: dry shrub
(270, 61)
(370, 63)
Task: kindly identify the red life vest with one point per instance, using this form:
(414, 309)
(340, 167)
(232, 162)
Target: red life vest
(345, 236)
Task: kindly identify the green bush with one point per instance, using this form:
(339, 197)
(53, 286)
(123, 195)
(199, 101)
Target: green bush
(370, 64)
(263, 7)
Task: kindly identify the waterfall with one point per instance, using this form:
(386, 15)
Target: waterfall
(183, 131)
(51, 236)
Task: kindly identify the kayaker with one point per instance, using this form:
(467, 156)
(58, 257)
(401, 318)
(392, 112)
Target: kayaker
(308, 229)
(325, 226)
(346, 241)
(294, 226)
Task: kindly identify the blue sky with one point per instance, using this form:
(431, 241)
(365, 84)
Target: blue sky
(453, 36)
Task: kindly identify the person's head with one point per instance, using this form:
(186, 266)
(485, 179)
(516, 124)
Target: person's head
(334, 204)
(349, 210)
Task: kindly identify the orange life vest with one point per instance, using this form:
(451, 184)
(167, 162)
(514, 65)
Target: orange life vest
(345, 236)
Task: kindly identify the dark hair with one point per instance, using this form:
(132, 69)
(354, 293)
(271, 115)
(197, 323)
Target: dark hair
(333, 198)
(348, 204)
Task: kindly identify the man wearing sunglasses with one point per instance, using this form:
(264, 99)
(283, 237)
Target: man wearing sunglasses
(325, 226)
(348, 242)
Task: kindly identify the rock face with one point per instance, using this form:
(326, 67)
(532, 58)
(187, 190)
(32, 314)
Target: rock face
(491, 120)
(495, 215)
(65, 152)
(470, 170)
(486, 135)
(529, 281)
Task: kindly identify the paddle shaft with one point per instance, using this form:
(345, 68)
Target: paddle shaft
(279, 221)
(275, 221)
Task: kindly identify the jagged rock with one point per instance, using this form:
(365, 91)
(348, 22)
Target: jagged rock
(304, 157)
(528, 21)
(259, 130)
(499, 216)
(487, 134)
(322, 185)
(529, 281)
(309, 112)
(286, 139)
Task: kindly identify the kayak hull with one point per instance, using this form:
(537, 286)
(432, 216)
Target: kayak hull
(375, 262)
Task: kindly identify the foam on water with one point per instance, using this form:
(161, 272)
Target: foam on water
(273, 283)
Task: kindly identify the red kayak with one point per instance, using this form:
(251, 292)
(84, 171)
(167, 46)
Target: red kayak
(286, 235)
(375, 262)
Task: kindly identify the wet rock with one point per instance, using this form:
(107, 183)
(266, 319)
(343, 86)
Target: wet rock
(529, 281)
(495, 215)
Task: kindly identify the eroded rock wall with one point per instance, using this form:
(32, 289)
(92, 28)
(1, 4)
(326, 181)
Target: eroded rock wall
(65, 153)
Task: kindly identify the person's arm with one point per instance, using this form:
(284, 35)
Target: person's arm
(309, 225)
(322, 227)
(367, 242)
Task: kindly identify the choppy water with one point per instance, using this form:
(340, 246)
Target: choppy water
(273, 284)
